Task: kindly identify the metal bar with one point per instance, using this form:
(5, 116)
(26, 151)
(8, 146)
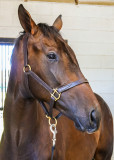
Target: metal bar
(2, 77)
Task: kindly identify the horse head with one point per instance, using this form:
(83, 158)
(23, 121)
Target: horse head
(53, 60)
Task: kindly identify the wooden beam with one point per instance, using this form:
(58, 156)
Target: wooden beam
(97, 2)
(59, 1)
(90, 2)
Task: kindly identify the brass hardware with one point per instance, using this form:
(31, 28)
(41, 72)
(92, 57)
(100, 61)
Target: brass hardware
(50, 120)
(28, 67)
(48, 117)
(56, 92)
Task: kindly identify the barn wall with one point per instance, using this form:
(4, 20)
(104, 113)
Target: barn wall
(89, 30)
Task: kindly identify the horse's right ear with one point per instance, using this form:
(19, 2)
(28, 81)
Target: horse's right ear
(26, 21)
(58, 23)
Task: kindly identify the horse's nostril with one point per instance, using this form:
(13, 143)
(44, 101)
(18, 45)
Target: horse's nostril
(94, 117)
(94, 120)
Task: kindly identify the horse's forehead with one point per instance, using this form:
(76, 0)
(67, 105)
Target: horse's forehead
(49, 42)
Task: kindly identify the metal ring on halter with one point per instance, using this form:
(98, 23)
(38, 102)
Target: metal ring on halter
(27, 68)
(50, 120)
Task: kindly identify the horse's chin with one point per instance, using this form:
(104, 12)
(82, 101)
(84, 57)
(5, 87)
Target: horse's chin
(91, 131)
(81, 128)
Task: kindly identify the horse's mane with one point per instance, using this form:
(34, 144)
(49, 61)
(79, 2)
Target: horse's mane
(49, 31)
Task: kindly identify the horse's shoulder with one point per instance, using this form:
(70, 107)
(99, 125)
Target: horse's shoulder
(103, 105)
(105, 144)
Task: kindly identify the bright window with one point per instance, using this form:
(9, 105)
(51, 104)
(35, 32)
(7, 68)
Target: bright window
(5, 56)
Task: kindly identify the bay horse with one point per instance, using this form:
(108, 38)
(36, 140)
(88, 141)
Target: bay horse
(45, 78)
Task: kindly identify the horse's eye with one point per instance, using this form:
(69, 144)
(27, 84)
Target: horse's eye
(52, 56)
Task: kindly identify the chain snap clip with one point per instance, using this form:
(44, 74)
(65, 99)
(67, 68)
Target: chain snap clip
(53, 129)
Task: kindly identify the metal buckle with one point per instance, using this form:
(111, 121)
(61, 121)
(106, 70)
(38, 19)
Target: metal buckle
(56, 92)
(27, 68)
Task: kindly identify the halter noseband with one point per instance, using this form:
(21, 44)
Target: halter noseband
(55, 93)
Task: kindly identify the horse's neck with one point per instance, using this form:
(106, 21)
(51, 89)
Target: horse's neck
(21, 114)
(27, 127)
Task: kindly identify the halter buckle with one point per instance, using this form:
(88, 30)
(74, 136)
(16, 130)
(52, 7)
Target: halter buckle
(57, 94)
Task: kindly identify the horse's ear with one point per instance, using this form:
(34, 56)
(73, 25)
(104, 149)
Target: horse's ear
(26, 21)
(58, 23)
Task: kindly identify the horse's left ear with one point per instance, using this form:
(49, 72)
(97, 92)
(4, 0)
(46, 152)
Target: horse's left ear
(58, 23)
(26, 21)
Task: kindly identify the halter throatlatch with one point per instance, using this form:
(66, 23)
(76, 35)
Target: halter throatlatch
(55, 93)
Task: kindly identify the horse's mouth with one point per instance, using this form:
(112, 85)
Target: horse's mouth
(80, 127)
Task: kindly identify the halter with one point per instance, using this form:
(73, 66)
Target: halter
(55, 93)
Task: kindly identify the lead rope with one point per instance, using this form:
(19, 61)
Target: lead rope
(54, 132)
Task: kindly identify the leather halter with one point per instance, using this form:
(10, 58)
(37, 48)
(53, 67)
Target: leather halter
(55, 93)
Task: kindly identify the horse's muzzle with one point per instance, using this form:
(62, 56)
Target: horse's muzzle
(89, 124)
